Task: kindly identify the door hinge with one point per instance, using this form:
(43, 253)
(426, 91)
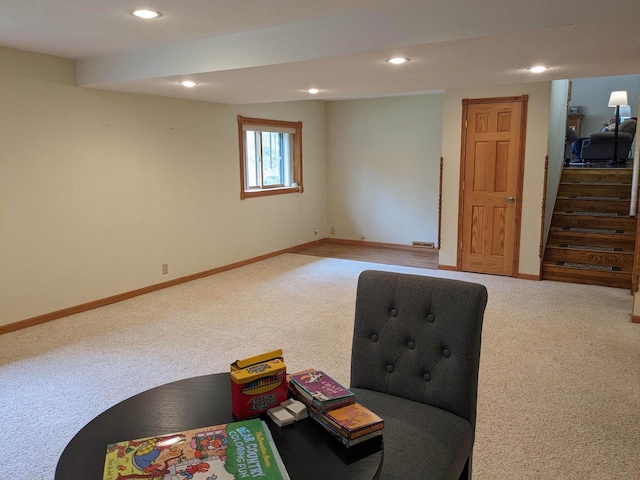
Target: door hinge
(465, 123)
(460, 245)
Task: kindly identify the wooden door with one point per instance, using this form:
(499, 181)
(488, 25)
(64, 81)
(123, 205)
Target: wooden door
(492, 167)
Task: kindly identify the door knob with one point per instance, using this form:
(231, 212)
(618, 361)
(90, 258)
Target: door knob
(510, 200)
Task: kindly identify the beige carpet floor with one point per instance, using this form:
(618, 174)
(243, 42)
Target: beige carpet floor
(559, 394)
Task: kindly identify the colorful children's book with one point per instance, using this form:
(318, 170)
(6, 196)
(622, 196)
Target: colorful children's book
(321, 419)
(320, 390)
(355, 420)
(238, 450)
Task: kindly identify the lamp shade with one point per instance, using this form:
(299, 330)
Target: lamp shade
(618, 98)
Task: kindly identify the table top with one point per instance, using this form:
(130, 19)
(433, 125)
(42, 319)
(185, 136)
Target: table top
(307, 450)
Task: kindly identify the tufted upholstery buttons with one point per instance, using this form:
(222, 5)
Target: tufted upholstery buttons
(426, 377)
(411, 345)
(394, 312)
(374, 338)
(389, 368)
(431, 318)
(446, 353)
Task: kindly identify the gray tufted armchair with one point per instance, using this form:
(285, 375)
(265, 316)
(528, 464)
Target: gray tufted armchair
(415, 358)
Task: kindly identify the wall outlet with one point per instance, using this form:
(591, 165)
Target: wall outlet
(333, 230)
(165, 268)
(362, 236)
(315, 232)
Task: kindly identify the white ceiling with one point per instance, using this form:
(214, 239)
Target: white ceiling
(251, 51)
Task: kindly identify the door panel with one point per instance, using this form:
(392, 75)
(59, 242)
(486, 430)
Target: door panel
(490, 196)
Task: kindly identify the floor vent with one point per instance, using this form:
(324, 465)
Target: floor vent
(423, 244)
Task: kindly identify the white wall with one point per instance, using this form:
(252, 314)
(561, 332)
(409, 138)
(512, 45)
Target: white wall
(557, 128)
(98, 189)
(535, 151)
(593, 95)
(383, 164)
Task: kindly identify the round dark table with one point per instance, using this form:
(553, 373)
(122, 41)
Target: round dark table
(307, 450)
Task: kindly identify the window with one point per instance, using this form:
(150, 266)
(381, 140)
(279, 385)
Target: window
(270, 157)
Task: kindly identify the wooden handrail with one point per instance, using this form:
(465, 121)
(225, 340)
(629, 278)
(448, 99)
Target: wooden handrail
(543, 209)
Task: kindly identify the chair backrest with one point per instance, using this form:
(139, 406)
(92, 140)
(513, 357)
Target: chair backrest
(419, 338)
(629, 126)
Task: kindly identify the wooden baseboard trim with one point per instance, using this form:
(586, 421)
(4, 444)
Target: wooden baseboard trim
(302, 246)
(389, 246)
(635, 318)
(451, 268)
(523, 276)
(47, 317)
(528, 276)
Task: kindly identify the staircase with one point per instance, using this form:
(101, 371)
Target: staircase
(592, 238)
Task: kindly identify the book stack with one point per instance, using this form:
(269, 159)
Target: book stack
(320, 391)
(352, 424)
(335, 408)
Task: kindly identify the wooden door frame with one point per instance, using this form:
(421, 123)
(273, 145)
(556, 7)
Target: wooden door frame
(524, 99)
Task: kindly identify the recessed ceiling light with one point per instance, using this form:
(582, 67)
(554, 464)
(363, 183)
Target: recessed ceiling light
(146, 14)
(398, 60)
(538, 69)
(313, 91)
(188, 84)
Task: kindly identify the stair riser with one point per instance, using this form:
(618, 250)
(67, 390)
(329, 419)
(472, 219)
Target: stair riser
(588, 277)
(613, 206)
(603, 190)
(585, 221)
(626, 242)
(597, 175)
(622, 260)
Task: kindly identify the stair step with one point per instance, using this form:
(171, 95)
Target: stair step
(593, 204)
(589, 182)
(591, 198)
(594, 221)
(585, 274)
(595, 248)
(597, 174)
(595, 237)
(593, 214)
(588, 256)
(613, 231)
(589, 189)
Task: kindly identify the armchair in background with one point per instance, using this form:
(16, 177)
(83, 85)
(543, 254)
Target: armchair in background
(599, 146)
(414, 362)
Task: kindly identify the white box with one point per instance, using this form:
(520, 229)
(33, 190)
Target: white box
(281, 416)
(297, 409)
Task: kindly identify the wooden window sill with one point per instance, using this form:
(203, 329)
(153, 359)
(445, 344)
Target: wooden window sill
(270, 191)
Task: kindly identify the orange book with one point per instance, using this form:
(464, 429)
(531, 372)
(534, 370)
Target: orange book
(354, 420)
